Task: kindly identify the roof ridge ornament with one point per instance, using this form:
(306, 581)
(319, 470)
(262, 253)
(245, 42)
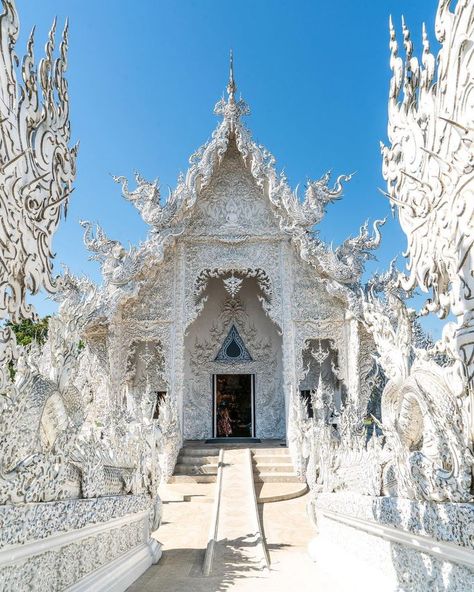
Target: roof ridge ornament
(230, 109)
(231, 86)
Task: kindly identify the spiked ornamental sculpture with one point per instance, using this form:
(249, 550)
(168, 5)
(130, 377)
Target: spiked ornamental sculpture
(430, 180)
(53, 445)
(37, 171)
(429, 173)
(37, 164)
(417, 464)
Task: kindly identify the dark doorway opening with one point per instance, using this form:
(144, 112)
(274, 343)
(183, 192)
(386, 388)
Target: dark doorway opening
(160, 396)
(233, 406)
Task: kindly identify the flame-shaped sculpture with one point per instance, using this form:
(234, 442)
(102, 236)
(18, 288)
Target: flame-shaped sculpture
(37, 166)
(429, 166)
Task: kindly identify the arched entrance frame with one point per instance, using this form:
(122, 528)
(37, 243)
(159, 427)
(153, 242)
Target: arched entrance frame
(232, 277)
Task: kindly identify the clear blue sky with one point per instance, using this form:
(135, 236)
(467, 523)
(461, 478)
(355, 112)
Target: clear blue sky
(144, 77)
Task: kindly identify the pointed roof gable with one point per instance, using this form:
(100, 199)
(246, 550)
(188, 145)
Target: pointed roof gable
(292, 211)
(296, 217)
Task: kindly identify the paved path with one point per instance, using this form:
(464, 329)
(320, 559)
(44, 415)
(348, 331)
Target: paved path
(239, 544)
(287, 530)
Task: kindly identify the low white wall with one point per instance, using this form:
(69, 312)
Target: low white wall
(78, 545)
(396, 544)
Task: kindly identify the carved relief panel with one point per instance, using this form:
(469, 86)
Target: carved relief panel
(233, 203)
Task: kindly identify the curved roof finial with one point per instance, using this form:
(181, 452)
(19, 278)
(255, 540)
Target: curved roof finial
(231, 86)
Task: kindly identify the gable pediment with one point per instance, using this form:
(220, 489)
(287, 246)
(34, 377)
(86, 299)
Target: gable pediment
(233, 203)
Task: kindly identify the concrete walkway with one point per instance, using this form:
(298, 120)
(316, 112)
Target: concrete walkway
(235, 540)
(287, 530)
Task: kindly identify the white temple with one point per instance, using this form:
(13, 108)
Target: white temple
(233, 322)
(228, 300)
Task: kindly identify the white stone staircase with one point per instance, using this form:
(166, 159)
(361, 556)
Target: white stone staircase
(196, 465)
(273, 465)
(274, 476)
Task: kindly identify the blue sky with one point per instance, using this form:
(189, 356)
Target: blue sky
(144, 77)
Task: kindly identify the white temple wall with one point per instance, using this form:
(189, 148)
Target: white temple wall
(316, 315)
(148, 331)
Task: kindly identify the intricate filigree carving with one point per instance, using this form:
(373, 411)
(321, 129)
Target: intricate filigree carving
(428, 166)
(422, 412)
(37, 165)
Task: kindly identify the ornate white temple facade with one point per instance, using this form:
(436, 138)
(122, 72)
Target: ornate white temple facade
(233, 299)
(234, 320)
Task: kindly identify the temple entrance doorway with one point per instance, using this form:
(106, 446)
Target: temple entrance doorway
(233, 338)
(233, 406)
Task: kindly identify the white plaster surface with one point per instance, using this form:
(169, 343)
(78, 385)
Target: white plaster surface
(287, 531)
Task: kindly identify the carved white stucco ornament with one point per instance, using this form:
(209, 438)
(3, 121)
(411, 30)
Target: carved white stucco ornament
(424, 421)
(428, 167)
(57, 444)
(232, 285)
(94, 420)
(430, 180)
(228, 219)
(426, 449)
(37, 171)
(339, 268)
(37, 164)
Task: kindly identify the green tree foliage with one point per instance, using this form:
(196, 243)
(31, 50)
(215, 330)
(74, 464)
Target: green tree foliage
(28, 331)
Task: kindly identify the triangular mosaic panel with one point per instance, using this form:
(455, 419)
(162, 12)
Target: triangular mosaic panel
(233, 349)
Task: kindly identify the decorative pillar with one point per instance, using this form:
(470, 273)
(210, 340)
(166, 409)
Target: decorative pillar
(352, 350)
(288, 338)
(177, 333)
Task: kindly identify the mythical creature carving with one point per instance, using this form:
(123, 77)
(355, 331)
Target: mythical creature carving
(423, 417)
(37, 165)
(42, 411)
(146, 198)
(118, 266)
(428, 166)
(345, 265)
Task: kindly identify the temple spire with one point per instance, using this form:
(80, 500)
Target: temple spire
(231, 86)
(231, 109)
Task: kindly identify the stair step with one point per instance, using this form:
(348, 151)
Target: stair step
(276, 478)
(188, 451)
(192, 479)
(273, 468)
(196, 460)
(270, 460)
(270, 452)
(278, 492)
(195, 470)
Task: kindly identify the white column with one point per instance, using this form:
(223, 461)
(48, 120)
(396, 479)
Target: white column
(288, 337)
(177, 337)
(353, 351)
